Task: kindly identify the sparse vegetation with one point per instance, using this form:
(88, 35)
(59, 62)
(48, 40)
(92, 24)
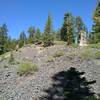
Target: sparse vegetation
(87, 54)
(59, 42)
(95, 34)
(62, 51)
(11, 58)
(59, 53)
(74, 45)
(97, 45)
(50, 59)
(6, 66)
(97, 55)
(26, 68)
(71, 54)
(48, 36)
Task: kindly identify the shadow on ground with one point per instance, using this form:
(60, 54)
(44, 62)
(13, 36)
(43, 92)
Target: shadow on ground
(70, 85)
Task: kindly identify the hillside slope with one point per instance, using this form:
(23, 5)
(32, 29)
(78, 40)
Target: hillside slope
(32, 87)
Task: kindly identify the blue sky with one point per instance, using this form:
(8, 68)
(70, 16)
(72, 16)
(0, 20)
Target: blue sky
(20, 14)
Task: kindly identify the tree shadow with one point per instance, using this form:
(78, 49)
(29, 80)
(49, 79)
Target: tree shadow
(70, 85)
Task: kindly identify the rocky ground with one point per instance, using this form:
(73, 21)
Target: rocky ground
(31, 87)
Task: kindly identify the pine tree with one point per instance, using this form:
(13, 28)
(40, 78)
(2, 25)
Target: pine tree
(3, 38)
(23, 36)
(22, 39)
(8, 44)
(47, 36)
(57, 35)
(79, 27)
(14, 43)
(64, 29)
(70, 36)
(38, 35)
(67, 28)
(96, 27)
(31, 32)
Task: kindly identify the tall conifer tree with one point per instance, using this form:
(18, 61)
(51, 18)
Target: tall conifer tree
(96, 26)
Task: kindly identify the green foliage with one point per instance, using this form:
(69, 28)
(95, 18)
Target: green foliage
(26, 68)
(23, 36)
(13, 45)
(74, 45)
(3, 39)
(48, 27)
(48, 36)
(87, 54)
(60, 42)
(57, 36)
(67, 28)
(70, 31)
(59, 54)
(21, 43)
(38, 36)
(22, 39)
(31, 32)
(97, 45)
(95, 36)
(6, 66)
(93, 98)
(11, 58)
(97, 55)
(50, 59)
(79, 25)
(72, 54)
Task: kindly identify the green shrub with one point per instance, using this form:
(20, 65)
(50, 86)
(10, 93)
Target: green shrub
(6, 66)
(71, 54)
(94, 45)
(2, 58)
(87, 54)
(48, 43)
(50, 59)
(93, 98)
(11, 59)
(74, 45)
(26, 68)
(59, 42)
(97, 55)
(59, 53)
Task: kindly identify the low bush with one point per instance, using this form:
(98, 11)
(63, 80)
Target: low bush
(59, 53)
(97, 55)
(93, 98)
(87, 54)
(26, 68)
(94, 45)
(48, 43)
(6, 66)
(60, 42)
(50, 59)
(74, 45)
(72, 54)
(11, 58)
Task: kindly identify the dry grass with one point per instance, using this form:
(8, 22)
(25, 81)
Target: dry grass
(50, 59)
(59, 54)
(26, 68)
